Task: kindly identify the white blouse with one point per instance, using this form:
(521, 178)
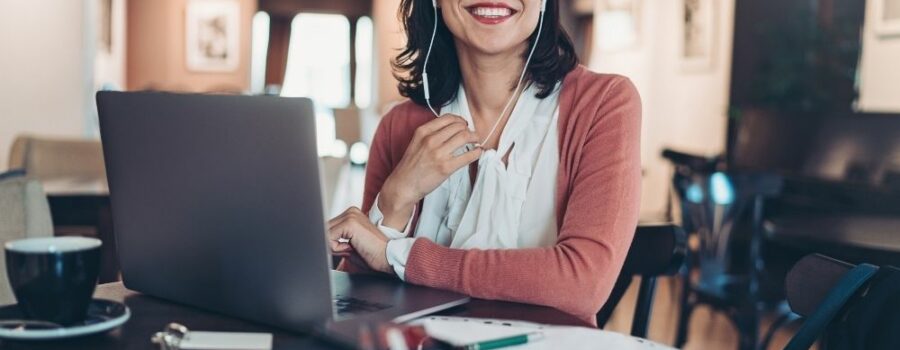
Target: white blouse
(511, 206)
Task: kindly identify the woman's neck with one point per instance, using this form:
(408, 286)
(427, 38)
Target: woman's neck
(488, 81)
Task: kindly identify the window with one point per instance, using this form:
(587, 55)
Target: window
(364, 52)
(318, 67)
(258, 52)
(318, 63)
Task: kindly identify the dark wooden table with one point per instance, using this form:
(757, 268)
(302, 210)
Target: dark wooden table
(76, 202)
(851, 237)
(149, 315)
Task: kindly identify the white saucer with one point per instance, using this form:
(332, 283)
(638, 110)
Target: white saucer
(103, 315)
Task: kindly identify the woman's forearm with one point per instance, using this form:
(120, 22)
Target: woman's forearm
(396, 205)
(573, 278)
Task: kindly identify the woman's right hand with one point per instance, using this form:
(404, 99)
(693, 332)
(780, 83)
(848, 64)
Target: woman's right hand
(428, 161)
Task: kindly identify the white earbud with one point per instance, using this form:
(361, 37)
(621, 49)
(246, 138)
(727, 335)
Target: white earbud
(518, 85)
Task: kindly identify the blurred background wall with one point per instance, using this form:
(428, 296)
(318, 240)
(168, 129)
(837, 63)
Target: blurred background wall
(46, 69)
(880, 74)
(685, 106)
(156, 45)
(389, 38)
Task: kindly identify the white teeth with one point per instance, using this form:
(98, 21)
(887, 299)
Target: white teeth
(491, 11)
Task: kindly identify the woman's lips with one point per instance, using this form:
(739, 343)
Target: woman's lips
(491, 13)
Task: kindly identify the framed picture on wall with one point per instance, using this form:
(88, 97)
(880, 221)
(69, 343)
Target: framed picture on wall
(618, 25)
(212, 35)
(698, 35)
(887, 17)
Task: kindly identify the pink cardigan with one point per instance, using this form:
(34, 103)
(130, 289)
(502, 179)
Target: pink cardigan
(597, 203)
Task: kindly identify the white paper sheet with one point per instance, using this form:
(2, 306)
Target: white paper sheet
(459, 331)
(226, 341)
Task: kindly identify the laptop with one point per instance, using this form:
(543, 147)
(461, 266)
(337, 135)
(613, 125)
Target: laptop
(216, 203)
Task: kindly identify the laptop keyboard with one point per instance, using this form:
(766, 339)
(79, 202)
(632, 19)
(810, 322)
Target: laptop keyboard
(344, 305)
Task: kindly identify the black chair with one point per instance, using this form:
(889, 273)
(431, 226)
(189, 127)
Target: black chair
(810, 279)
(845, 306)
(725, 211)
(657, 250)
(808, 283)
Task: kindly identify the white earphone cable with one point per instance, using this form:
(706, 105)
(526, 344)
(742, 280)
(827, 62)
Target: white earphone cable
(518, 84)
(425, 66)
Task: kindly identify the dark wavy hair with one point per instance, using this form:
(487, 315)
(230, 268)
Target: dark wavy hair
(553, 58)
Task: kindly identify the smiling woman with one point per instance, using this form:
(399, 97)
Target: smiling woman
(536, 203)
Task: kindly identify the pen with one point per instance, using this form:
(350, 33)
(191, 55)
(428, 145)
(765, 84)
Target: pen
(504, 342)
(343, 240)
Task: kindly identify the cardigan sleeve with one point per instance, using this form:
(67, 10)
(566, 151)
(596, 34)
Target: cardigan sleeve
(576, 274)
(379, 166)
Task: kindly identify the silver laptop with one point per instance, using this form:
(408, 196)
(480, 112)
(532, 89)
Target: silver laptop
(217, 203)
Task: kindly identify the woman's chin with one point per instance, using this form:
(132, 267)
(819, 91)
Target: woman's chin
(497, 51)
(494, 41)
(485, 45)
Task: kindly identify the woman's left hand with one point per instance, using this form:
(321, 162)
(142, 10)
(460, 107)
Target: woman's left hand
(363, 236)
